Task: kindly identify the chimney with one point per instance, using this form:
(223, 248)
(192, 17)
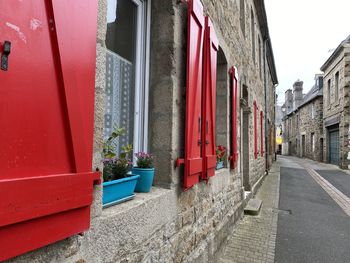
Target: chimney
(297, 93)
(288, 100)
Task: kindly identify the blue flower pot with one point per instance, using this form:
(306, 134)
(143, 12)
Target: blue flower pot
(219, 165)
(117, 191)
(144, 183)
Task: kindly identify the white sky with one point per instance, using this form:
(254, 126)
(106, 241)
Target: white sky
(303, 34)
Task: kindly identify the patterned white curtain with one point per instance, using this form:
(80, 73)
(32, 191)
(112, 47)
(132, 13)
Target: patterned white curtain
(119, 97)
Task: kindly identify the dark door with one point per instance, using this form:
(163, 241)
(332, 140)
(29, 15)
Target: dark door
(334, 146)
(303, 146)
(321, 150)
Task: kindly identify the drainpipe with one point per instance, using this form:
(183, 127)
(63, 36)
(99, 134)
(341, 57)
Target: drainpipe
(266, 113)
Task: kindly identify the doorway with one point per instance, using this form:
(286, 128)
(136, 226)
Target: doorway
(321, 150)
(303, 146)
(245, 137)
(333, 145)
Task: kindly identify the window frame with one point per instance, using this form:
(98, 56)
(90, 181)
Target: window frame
(142, 69)
(329, 82)
(141, 75)
(336, 86)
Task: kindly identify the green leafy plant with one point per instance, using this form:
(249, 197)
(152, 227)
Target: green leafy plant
(115, 167)
(144, 160)
(220, 153)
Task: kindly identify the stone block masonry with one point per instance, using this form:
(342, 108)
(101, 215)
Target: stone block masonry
(170, 224)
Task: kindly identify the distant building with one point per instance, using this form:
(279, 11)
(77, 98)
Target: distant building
(303, 121)
(279, 129)
(336, 102)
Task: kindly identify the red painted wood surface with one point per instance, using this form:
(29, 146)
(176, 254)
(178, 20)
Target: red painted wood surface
(46, 106)
(262, 133)
(193, 154)
(211, 47)
(256, 151)
(234, 91)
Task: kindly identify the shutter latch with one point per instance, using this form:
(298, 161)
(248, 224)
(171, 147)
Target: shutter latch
(5, 55)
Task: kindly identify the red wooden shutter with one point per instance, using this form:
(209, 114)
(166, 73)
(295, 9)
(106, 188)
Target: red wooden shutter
(256, 151)
(262, 133)
(46, 178)
(234, 92)
(211, 46)
(193, 152)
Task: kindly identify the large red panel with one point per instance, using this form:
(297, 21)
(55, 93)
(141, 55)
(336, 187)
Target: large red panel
(211, 47)
(46, 107)
(234, 97)
(35, 132)
(77, 55)
(17, 239)
(193, 153)
(44, 195)
(255, 109)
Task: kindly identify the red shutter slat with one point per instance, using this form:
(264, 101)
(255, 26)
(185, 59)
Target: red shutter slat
(78, 78)
(256, 151)
(50, 194)
(46, 182)
(193, 160)
(262, 133)
(211, 46)
(234, 91)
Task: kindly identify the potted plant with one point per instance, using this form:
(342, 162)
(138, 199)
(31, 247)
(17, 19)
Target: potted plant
(144, 168)
(119, 184)
(220, 156)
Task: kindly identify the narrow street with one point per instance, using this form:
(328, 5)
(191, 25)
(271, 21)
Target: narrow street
(304, 217)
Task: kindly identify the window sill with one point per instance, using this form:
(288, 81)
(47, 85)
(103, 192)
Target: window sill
(139, 200)
(221, 171)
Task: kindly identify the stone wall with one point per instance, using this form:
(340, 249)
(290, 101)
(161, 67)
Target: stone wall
(308, 126)
(338, 109)
(169, 224)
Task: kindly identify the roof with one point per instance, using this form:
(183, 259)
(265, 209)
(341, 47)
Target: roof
(311, 95)
(315, 92)
(261, 14)
(335, 53)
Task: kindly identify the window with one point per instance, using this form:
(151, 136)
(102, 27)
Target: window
(336, 86)
(260, 67)
(127, 71)
(242, 16)
(253, 33)
(329, 92)
(312, 110)
(297, 121)
(313, 142)
(221, 99)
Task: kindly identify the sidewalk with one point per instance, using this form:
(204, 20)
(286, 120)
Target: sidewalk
(253, 239)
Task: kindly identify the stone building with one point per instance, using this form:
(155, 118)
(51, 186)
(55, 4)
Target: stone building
(303, 126)
(279, 129)
(336, 102)
(142, 84)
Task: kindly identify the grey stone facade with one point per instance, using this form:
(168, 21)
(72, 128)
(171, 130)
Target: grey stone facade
(169, 224)
(303, 124)
(336, 101)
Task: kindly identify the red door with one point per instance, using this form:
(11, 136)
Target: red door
(46, 111)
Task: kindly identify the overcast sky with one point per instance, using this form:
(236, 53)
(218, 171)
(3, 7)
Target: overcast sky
(304, 33)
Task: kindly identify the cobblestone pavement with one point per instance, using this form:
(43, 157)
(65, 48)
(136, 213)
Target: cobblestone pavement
(254, 237)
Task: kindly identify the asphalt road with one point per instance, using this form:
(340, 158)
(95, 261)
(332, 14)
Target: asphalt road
(337, 178)
(311, 226)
